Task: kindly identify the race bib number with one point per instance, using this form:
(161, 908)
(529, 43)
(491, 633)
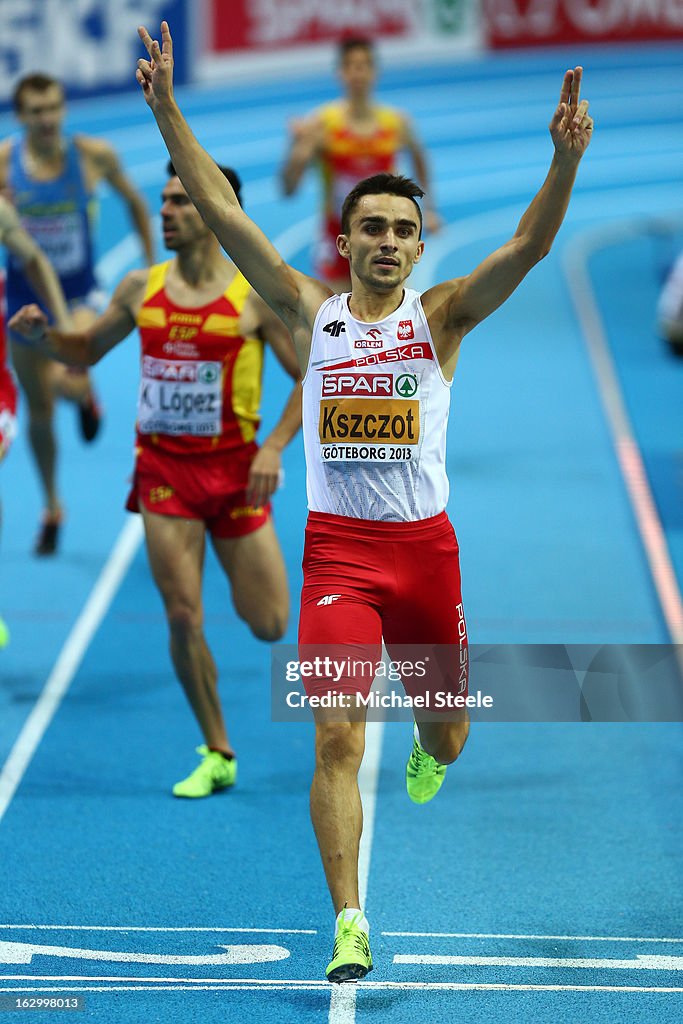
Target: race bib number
(61, 236)
(180, 398)
(366, 430)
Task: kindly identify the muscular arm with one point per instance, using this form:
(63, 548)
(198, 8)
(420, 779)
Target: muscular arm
(455, 307)
(107, 166)
(421, 171)
(88, 346)
(305, 146)
(265, 469)
(35, 264)
(293, 296)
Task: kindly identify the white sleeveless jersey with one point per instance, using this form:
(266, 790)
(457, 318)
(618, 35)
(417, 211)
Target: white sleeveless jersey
(375, 413)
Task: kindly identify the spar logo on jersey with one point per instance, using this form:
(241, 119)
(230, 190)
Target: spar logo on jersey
(404, 331)
(406, 385)
(362, 385)
(208, 373)
(169, 370)
(399, 354)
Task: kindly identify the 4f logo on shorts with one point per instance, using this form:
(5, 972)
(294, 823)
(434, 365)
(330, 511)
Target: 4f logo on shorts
(404, 331)
(329, 599)
(335, 328)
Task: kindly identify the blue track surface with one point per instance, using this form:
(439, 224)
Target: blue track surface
(549, 842)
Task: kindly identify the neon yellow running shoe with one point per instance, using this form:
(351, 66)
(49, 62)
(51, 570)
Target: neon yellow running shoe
(351, 957)
(424, 775)
(213, 772)
(4, 633)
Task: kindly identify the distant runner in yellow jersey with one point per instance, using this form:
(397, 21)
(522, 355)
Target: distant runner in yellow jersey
(350, 139)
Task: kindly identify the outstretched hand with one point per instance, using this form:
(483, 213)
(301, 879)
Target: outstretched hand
(30, 323)
(571, 127)
(156, 74)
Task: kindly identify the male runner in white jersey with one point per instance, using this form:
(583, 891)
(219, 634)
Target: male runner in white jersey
(376, 473)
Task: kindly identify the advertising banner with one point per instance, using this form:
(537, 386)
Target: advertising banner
(253, 25)
(518, 23)
(91, 45)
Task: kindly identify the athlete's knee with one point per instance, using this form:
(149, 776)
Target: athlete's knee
(267, 622)
(40, 410)
(444, 740)
(339, 745)
(184, 619)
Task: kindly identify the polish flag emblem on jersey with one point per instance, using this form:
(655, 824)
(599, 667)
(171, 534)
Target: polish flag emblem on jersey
(404, 331)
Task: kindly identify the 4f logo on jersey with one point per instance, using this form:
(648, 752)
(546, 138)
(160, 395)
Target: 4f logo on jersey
(335, 328)
(404, 331)
(329, 599)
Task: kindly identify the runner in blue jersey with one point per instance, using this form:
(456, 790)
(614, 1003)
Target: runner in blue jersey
(51, 179)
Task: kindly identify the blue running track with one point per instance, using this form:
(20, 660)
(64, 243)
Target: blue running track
(545, 882)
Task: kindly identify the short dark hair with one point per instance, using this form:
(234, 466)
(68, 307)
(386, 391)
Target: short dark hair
(379, 185)
(227, 172)
(36, 82)
(354, 42)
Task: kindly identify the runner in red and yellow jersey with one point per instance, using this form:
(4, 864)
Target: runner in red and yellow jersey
(350, 139)
(198, 468)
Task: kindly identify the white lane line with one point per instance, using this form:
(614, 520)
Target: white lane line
(145, 928)
(653, 537)
(558, 938)
(24, 952)
(372, 986)
(69, 660)
(641, 962)
(121, 257)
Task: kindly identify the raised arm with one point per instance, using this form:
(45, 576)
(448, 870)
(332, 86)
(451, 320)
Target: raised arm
(293, 296)
(88, 346)
(37, 268)
(455, 307)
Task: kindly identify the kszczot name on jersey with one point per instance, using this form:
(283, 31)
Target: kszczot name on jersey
(365, 430)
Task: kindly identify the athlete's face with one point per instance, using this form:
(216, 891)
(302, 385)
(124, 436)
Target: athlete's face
(383, 244)
(180, 220)
(357, 72)
(42, 114)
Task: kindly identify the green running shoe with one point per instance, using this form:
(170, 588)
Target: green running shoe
(424, 775)
(351, 957)
(211, 774)
(4, 633)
